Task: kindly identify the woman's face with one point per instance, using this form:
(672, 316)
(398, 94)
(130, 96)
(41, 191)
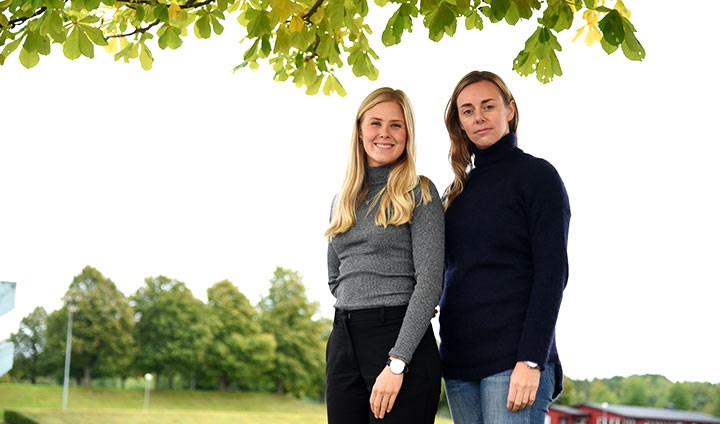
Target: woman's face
(483, 114)
(383, 133)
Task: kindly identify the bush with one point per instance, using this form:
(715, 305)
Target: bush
(14, 417)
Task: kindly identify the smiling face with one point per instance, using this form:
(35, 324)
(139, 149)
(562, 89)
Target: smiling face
(383, 133)
(483, 115)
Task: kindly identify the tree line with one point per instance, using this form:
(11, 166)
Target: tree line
(644, 390)
(227, 343)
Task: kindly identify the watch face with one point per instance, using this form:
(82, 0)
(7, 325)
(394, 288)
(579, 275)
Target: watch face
(397, 366)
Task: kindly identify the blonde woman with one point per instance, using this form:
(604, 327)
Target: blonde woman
(385, 264)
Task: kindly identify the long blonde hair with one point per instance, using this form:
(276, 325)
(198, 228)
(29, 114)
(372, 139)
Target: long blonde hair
(460, 156)
(397, 199)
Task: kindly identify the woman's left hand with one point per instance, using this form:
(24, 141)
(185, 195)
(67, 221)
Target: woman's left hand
(524, 382)
(384, 392)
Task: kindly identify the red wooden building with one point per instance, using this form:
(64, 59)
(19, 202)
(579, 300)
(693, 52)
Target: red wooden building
(594, 413)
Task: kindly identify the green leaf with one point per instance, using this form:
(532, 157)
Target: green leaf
(473, 21)
(95, 35)
(441, 21)
(539, 56)
(169, 37)
(333, 85)
(282, 40)
(258, 23)
(513, 14)
(42, 45)
(55, 27)
(400, 21)
(10, 47)
(612, 28)
(265, 46)
(29, 43)
(71, 47)
(29, 58)
(202, 27)
(217, 26)
(161, 13)
(607, 47)
(496, 9)
(362, 65)
(631, 47)
(146, 58)
(4, 23)
(313, 85)
(86, 46)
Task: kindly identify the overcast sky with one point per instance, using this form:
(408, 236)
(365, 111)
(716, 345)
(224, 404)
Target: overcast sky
(199, 174)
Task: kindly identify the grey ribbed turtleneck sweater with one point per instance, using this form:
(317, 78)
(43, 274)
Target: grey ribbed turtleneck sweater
(370, 266)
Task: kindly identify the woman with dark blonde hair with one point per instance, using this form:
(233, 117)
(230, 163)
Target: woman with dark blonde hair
(385, 261)
(506, 221)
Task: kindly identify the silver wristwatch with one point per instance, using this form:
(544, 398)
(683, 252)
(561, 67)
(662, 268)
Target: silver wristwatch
(532, 365)
(397, 366)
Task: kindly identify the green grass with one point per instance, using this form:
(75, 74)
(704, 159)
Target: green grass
(110, 406)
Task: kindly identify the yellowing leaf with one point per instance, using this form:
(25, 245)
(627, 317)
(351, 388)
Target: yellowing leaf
(280, 10)
(591, 16)
(296, 24)
(624, 11)
(592, 35)
(176, 15)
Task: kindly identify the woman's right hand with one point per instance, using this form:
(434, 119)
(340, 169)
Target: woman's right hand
(384, 392)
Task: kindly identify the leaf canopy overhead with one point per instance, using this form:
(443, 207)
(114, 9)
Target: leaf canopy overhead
(304, 41)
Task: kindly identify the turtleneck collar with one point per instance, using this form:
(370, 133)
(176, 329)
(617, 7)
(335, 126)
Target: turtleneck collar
(502, 149)
(376, 175)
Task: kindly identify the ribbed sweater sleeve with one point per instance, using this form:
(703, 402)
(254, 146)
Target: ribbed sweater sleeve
(427, 231)
(548, 220)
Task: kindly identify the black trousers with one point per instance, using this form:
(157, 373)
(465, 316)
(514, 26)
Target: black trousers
(357, 352)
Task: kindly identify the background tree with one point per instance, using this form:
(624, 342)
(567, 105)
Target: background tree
(569, 394)
(171, 331)
(679, 396)
(600, 392)
(300, 356)
(57, 322)
(713, 407)
(102, 326)
(305, 41)
(239, 350)
(30, 344)
(634, 392)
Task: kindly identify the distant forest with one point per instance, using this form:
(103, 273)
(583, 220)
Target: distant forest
(644, 390)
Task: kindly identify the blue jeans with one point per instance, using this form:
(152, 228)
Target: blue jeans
(485, 401)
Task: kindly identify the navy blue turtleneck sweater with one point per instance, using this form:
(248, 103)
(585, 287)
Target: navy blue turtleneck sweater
(505, 265)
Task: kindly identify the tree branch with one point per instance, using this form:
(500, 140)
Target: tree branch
(313, 9)
(137, 31)
(17, 21)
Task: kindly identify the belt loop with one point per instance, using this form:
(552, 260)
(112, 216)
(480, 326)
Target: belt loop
(382, 314)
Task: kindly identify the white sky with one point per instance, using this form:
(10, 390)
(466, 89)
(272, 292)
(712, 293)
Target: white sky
(199, 174)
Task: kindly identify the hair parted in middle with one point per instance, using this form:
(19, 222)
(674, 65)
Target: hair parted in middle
(397, 198)
(460, 156)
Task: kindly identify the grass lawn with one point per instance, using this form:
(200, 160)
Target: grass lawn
(111, 406)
